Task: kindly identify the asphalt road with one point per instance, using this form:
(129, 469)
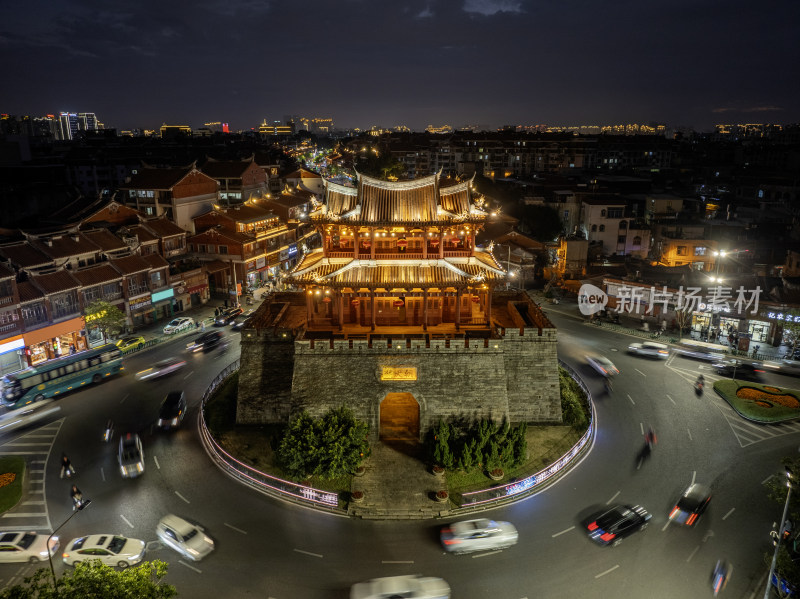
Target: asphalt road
(266, 548)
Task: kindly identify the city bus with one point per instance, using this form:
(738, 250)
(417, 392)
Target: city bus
(56, 377)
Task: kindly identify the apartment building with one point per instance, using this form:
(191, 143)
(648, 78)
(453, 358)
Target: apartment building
(239, 180)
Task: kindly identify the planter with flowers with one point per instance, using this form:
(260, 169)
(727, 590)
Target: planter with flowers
(438, 470)
(360, 471)
(496, 474)
(441, 496)
(357, 496)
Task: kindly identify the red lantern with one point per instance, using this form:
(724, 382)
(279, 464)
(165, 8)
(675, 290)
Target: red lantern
(475, 299)
(355, 302)
(402, 243)
(327, 300)
(399, 303)
(434, 242)
(365, 244)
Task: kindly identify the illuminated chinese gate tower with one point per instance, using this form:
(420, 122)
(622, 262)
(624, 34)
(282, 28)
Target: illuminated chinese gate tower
(399, 318)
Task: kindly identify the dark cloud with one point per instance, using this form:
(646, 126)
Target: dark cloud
(415, 63)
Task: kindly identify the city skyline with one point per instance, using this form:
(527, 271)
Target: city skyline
(488, 62)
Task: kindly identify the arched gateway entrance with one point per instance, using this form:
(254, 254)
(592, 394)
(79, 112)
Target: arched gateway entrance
(399, 418)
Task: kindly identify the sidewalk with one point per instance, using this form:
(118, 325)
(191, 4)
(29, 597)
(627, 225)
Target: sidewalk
(632, 325)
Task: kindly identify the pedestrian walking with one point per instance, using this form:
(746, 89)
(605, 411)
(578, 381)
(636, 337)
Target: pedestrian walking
(66, 466)
(216, 312)
(203, 326)
(226, 303)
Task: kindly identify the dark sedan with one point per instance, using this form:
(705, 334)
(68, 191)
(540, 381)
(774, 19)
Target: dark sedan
(620, 521)
(738, 369)
(691, 504)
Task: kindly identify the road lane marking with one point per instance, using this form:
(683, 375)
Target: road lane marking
(128, 522)
(182, 497)
(766, 480)
(244, 532)
(124, 398)
(666, 525)
(690, 434)
(607, 571)
(311, 554)
(672, 400)
(633, 402)
(640, 372)
(180, 561)
(155, 459)
(387, 561)
(694, 473)
(691, 555)
(562, 532)
(612, 499)
(188, 375)
(102, 475)
(729, 513)
(485, 554)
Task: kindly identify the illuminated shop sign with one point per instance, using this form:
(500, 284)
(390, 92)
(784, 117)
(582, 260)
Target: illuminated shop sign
(401, 373)
(292, 249)
(783, 316)
(162, 295)
(15, 343)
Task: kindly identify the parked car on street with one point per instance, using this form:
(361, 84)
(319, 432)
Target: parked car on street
(112, 550)
(130, 343)
(184, 537)
(478, 535)
(131, 456)
(29, 547)
(178, 324)
(611, 526)
(172, 410)
(602, 365)
(406, 587)
(691, 504)
(159, 369)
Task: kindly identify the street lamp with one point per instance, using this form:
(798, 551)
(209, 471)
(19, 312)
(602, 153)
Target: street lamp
(83, 504)
(719, 255)
(789, 475)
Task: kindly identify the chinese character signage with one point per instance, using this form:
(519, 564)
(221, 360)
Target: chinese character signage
(398, 373)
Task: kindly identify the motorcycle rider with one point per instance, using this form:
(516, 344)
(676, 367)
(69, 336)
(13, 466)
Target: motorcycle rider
(720, 576)
(77, 497)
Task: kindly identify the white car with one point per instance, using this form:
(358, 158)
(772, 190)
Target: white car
(130, 456)
(184, 537)
(162, 368)
(478, 535)
(26, 547)
(416, 587)
(112, 550)
(602, 365)
(178, 324)
(650, 349)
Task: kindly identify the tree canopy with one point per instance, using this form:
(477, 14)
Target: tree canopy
(381, 166)
(327, 447)
(109, 319)
(541, 222)
(94, 579)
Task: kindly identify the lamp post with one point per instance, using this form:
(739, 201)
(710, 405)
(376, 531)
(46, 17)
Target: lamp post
(80, 507)
(719, 255)
(789, 475)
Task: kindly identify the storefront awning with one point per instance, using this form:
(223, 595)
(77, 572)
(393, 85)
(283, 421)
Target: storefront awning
(55, 330)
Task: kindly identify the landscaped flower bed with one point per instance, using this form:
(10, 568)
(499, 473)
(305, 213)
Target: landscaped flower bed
(762, 403)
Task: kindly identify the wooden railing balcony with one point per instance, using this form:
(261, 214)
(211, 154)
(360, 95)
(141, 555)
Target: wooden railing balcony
(365, 254)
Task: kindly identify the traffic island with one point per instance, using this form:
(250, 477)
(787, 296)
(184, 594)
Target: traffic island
(760, 403)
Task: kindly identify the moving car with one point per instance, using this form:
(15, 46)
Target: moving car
(602, 365)
(649, 349)
(131, 456)
(205, 342)
(691, 504)
(162, 368)
(178, 324)
(407, 587)
(185, 538)
(239, 321)
(738, 369)
(478, 535)
(112, 550)
(130, 343)
(172, 411)
(227, 316)
(26, 547)
(14, 419)
(616, 523)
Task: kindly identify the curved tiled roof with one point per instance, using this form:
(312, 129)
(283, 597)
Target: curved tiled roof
(97, 275)
(406, 201)
(28, 292)
(56, 282)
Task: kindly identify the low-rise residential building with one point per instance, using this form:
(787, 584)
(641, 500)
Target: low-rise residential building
(239, 180)
(604, 222)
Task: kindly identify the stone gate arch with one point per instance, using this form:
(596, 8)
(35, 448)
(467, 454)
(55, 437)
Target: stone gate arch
(399, 417)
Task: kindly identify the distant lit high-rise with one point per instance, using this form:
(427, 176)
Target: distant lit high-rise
(67, 125)
(87, 121)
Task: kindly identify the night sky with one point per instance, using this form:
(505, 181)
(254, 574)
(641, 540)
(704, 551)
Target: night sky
(413, 63)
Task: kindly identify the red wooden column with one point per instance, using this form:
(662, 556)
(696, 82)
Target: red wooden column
(425, 309)
(355, 245)
(309, 305)
(424, 244)
(458, 308)
(373, 308)
(372, 244)
(489, 306)
(340, 304)
(441, 245)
